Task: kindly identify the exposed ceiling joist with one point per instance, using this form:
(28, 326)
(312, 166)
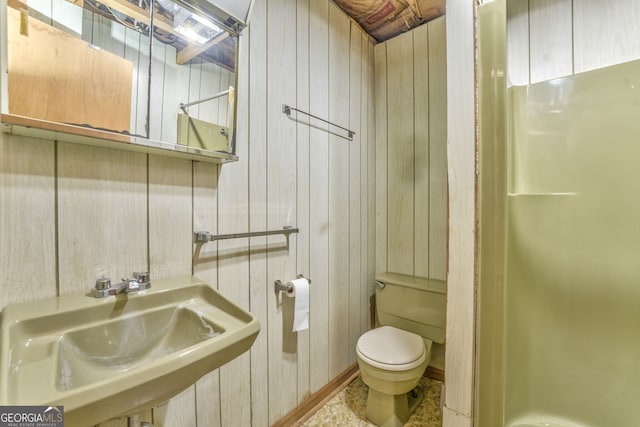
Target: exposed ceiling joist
(189, 52)
(384, 19)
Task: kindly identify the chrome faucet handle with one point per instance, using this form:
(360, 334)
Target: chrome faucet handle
(143, 278)
(103, 287)
(103, 283)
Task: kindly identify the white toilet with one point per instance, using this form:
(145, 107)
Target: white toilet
(410, 316)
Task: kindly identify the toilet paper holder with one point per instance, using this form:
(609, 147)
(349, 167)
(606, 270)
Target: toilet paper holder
(283, 287)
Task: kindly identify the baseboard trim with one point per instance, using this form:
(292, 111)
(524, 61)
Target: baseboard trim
(314, 402)
(434, 373)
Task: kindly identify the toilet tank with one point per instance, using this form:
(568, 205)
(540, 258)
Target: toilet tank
(411, 303)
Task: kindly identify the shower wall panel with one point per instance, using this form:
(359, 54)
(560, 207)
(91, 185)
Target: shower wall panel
(573, 245)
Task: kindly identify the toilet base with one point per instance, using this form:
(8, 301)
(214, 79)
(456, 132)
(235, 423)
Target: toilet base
(389, 410)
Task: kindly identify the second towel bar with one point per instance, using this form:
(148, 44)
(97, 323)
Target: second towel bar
(286, 109)
(204, 236)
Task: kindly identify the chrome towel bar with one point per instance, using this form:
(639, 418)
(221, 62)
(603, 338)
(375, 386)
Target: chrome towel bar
(200, 101)
(205, 236)
(286, 109)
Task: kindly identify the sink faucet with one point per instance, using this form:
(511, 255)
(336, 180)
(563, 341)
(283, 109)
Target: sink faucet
(139, 282)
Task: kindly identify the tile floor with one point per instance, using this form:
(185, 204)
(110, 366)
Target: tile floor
(347, 408)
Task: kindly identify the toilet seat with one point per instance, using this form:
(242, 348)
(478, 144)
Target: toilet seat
(391, 349)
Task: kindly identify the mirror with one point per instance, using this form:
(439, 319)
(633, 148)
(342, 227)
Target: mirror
(159, 75)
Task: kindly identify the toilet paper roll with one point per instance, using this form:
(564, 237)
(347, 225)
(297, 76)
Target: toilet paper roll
(300, 291)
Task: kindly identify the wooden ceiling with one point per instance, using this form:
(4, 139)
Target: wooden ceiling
(384, 19)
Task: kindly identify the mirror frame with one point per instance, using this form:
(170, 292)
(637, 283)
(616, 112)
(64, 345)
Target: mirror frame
(43, 129)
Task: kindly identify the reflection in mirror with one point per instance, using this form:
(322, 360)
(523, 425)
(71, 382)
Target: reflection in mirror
(92, 65)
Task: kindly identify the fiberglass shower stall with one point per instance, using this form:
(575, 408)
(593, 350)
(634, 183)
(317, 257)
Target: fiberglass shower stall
(559, 245)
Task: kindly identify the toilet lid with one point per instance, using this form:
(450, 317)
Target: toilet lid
(391, 346)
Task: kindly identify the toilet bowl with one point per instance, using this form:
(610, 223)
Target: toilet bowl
(391, 363)
(410, 315)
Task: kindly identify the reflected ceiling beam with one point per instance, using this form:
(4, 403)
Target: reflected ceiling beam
(140, 14)
(189, 52)
(183, 55)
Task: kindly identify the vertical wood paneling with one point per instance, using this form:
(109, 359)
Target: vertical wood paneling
(339, 350)
(102, 216)
(27, 220)
(208, 397)
(461, 166)
(551, 44)
(211, 83)
(411, 164)
(170, 217)
(421, 127)
(380, 93)
(518, 42)
(371, 192)
(258, 201)
(157, 90)
(87, 25)
(302, 180)
(131, 53)
(173, 94)
(227, 79)
(451, 418)
(233, 256)
(289, 173)
(281, 208)
(142, 74)
(233, 273)
(170, 226)
(195, 78)
(605, 33)
(437, 150)
(105, 35)
(319, 195)
(401, 154)
(177, 412)
(355, 183)
(367, 174)
(556, 39)
(205, 217)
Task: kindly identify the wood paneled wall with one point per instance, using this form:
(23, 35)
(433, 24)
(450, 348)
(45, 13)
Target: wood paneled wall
(548, 39)
(461, 160)
(411, 147)
(69, 213)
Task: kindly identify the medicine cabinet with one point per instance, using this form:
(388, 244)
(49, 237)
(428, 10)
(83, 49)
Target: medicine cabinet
(156, 76)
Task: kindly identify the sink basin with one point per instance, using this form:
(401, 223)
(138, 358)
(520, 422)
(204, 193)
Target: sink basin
(109, 357)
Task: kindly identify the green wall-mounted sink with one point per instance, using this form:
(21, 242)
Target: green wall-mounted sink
(109, 357)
